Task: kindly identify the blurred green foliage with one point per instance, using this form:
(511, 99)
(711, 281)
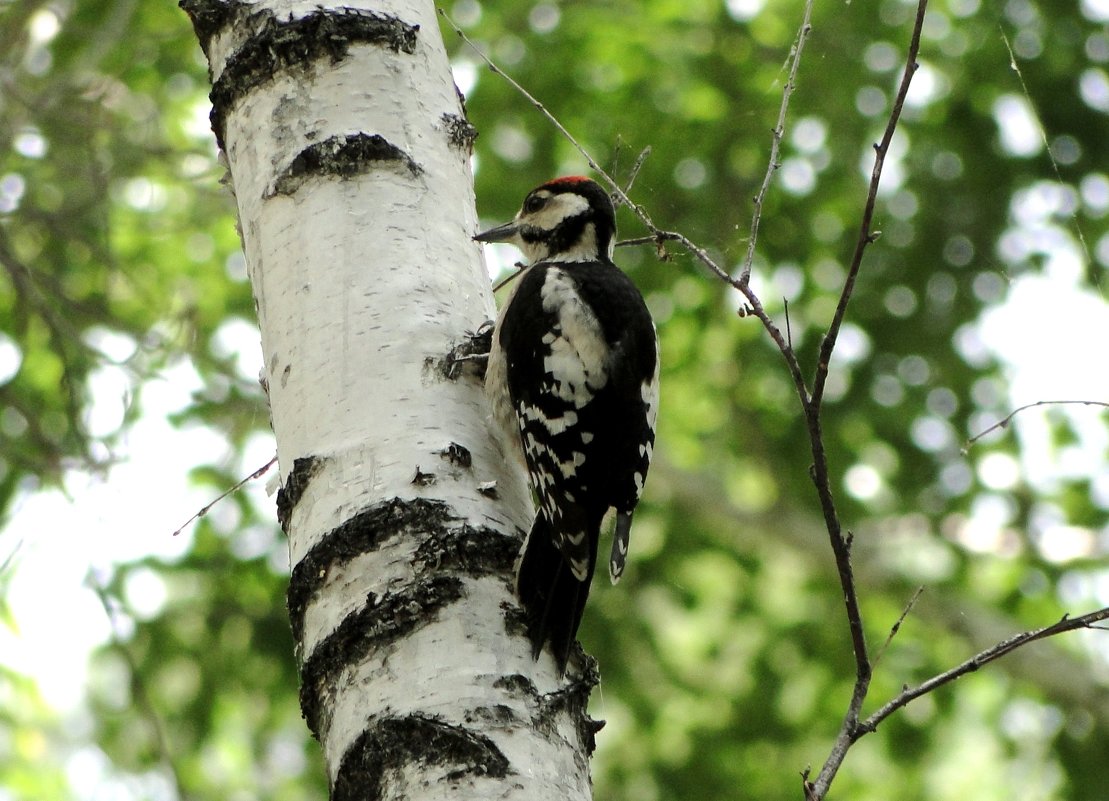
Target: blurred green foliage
(724, 652)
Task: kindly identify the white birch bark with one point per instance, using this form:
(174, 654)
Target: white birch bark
(347, 148)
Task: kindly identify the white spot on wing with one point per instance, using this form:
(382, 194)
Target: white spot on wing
(570, 468)
(555, 425)
(580, 568)
(649, 391)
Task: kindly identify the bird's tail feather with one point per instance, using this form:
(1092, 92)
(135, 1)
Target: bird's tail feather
(620, 538)
(552, 597)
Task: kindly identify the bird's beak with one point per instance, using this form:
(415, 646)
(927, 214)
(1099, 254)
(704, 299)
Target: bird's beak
(502, 233)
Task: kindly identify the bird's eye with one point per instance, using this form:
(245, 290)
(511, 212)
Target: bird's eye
(534, 203)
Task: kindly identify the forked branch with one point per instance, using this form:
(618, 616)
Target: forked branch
(1004, 647)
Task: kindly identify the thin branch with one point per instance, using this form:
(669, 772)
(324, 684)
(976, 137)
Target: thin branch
(636, 167)
(897, 626)
(850, 734)
(789, 330)
(617, 191)
(508, 279)
(1015, 67)
(1004, 422)
(776, 141)
(820, 474)
(638, 240)
(866, 235)
(1004, 647)
(261, 471)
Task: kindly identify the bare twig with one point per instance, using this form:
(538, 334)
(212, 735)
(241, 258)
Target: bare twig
(637, 240)
(841, 545)
(789, 330)
(896, 627)
(1015, 67)
(657, 234)
(776, 141)
(636, 167)
(617, 191)
(1004, 647)
(866, 235)
(261, 471)
(1004, 421)
(508, 279)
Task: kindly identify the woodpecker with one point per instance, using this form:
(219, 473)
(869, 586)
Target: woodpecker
(572, 379)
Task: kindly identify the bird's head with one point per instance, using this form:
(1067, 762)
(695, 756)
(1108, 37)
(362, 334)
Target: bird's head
(567, 219)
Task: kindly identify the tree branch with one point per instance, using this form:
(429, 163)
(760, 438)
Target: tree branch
(866, 236)
(776, 141)
(896, 627)
(841, 545)
(238, 485)
(1004, 421)
(1065, 624)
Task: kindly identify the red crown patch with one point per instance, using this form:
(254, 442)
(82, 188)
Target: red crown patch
(568, 179)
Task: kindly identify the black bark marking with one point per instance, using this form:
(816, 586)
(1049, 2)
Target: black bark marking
(391, 743)
(279, 45)
(362, 533)
(472, 551)
(573, 699)
(494, 716)
(515, 618)
(344, 156)
(381, 621)
(469, 357)
(460, 133)
(518, 684)
(422, 479)
(209, 17)
(304, 470)
(468, 550)
(458, 455)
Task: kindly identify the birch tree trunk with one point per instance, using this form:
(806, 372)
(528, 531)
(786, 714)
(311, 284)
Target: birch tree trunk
(349, 151)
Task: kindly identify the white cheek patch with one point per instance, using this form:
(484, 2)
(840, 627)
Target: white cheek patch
(557, 209)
